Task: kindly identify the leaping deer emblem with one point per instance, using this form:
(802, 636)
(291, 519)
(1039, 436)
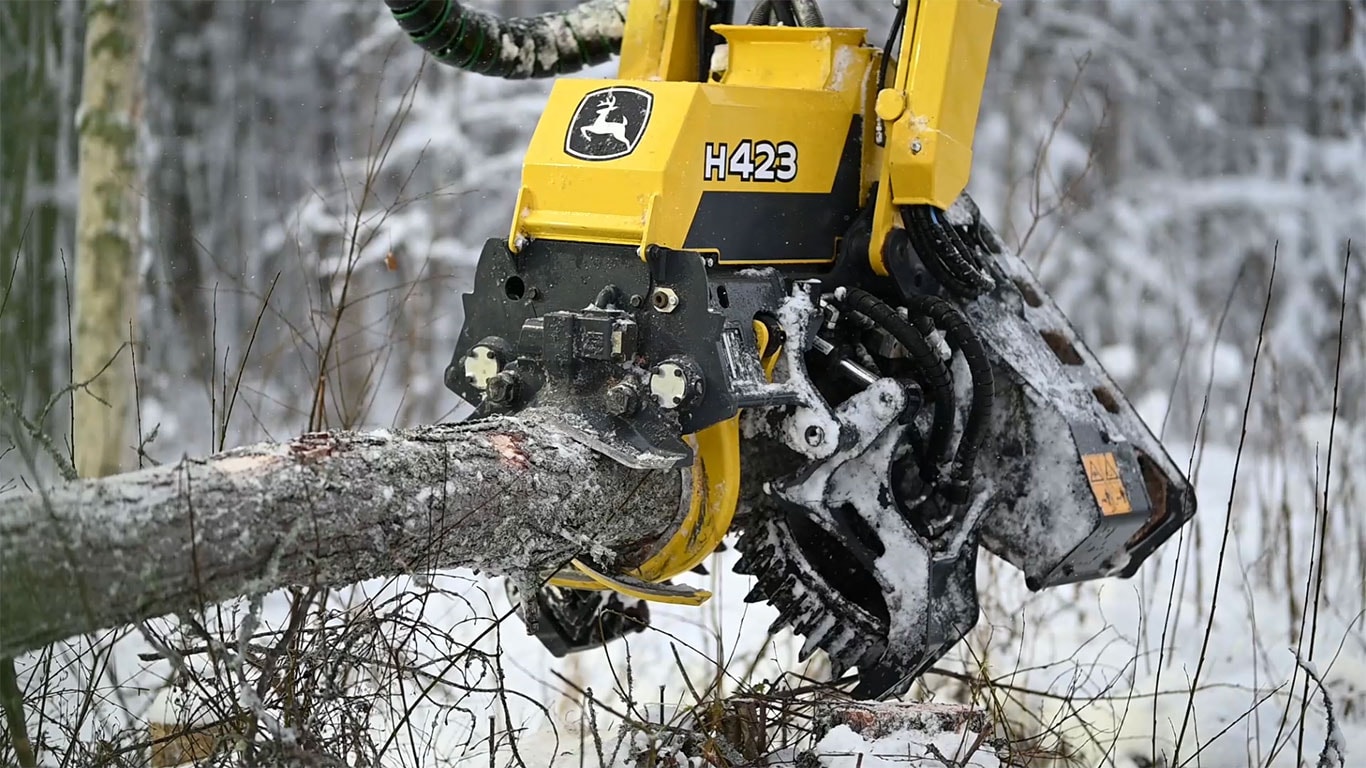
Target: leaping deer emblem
(604, 127)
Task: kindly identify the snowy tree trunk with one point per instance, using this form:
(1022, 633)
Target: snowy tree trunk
(507, 495)
(107, 226)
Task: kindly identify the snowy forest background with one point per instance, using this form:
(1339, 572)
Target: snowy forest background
(299, 163)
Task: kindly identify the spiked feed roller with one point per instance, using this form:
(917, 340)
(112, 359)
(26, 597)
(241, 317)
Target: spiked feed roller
(754, 242)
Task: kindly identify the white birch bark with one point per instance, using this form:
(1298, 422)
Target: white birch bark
(107, 228)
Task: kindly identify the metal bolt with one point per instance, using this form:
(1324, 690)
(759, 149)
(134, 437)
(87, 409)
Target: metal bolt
(502, 389)
(637, 300)
(481, 364)
(814, 435)
(664, 299)
(533, 293)
(916, 147)
(622, 400)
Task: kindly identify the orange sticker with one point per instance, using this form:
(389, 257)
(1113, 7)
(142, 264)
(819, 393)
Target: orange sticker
(1102, 472)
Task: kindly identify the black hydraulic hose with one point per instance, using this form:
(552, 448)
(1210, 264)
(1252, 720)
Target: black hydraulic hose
(960, 336)
(607, 296)
(934, 374)
(785, 13)
(793, 13)
(898, 21)
(809, 13)
(944, 253)
(546, 45)
(758, 17)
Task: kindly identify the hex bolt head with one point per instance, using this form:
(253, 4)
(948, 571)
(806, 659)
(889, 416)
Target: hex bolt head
(637, 301)
(622, 400)
(502, 389)
(664, 300)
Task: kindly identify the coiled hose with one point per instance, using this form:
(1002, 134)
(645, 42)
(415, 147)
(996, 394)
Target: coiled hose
(934, 375)
(961, 338)
(944, 253)
(546, 45)
(793, 13)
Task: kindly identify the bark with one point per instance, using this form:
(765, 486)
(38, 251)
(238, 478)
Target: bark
(508, 495)
(107, 226)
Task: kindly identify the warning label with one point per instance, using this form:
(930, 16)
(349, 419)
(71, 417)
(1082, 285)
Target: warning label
(1102, 472)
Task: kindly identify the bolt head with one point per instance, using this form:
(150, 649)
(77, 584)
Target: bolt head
(502, 389)
(622, 400)
(664, 300)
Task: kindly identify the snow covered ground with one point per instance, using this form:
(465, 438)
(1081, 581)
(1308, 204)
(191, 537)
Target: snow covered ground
(1096, 674)
(1103, 672)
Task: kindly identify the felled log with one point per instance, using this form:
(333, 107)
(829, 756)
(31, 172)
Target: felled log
(852, 733)
(506, 495)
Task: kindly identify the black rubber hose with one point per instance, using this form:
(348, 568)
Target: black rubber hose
(808, 13)
(898, 21)
(546, 45)
(758, 17)
(785, 13)
(933, 373)
(959, 334)
(792, 13)
(607, 296)
(944, 253)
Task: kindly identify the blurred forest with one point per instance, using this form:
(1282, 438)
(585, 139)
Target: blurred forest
(1146, 157)
(314, 195)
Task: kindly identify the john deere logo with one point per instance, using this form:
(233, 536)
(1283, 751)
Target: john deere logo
(609, 123)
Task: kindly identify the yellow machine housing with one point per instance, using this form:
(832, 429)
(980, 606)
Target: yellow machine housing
(767, 164)
(769, 221)
(713, 170)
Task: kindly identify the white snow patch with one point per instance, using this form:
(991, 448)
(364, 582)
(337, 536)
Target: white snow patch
(842, 748)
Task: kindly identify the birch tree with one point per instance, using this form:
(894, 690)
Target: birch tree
(107, 226)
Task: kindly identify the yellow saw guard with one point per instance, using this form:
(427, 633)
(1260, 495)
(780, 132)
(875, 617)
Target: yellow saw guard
(711, 507)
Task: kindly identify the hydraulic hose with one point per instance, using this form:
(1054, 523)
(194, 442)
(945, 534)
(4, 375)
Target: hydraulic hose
(809, 13)
(934, 374)
(801, 13)
(961, 337)
(546, 45)
(944, 253)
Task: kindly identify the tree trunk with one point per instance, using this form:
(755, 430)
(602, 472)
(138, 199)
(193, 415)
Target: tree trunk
(107, 232)
(39, 62)
(506, 495)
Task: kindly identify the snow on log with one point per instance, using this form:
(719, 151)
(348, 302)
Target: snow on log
(892, 734)
(503, 495)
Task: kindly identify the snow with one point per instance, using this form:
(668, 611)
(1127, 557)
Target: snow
(842, 748)
(1188, 189)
